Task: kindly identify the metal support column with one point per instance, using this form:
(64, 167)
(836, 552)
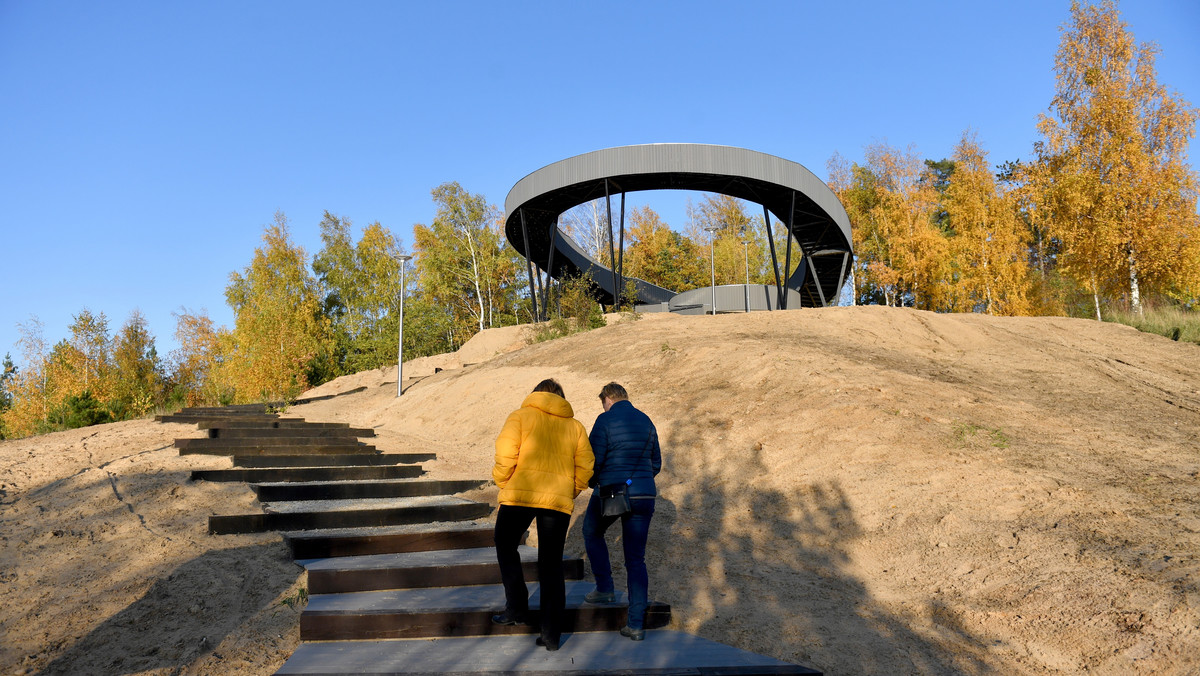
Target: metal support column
(774, 260)
(549, 267)
(537, 277)
(817, 280)
(787, 261)
(621, 255)
(532, 289)
(612, 255)
(842, 275)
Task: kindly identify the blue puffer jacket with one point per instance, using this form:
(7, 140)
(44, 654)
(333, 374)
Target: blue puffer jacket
(626, 443)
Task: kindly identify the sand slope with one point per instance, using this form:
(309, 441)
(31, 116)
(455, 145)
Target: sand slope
(857, 489)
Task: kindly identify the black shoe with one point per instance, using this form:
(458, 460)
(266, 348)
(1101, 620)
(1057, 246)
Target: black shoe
(633, 634)
(597, 596)
(505, 618)
(541, 642)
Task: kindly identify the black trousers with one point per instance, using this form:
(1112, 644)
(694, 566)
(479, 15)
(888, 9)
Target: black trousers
(511, 523)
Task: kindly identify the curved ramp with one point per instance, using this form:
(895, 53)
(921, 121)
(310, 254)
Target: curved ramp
(794, 195)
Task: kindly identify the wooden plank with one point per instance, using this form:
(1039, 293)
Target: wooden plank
(601, 653)
(251, 443)
(452, 611)
(419, 538)
(269, 474)
(212, 418)
(360, 489)
(390, 516)
(338, 459)
(278, 423)
(441, 568)
(215, 432)
(313, 450)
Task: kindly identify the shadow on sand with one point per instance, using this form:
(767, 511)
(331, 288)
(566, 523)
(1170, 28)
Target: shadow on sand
(744, 563)
(216, 591)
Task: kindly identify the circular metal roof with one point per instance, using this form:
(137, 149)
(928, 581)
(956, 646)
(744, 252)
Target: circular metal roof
(788, 190)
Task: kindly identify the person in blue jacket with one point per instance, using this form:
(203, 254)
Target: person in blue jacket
(625, 444)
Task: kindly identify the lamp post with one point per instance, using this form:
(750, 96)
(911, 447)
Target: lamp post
(712, 262)
(404, 259)
(746, 246)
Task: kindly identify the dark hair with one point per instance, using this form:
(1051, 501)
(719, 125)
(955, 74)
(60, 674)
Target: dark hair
(615, 392)
(550, 385)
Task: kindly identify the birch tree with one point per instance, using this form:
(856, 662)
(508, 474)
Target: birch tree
(361, 285)
(1111, 171)
(137, 375)
(989, 242)
(280, 342)
(464, 263)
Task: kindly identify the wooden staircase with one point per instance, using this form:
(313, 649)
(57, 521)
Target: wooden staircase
(402, 575)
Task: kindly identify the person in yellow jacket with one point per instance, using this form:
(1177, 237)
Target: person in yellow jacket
(543, 461)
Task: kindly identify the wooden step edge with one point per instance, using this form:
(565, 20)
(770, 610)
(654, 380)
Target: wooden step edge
(341, 626)
(316, 545)
(443, 575)
(234, 524)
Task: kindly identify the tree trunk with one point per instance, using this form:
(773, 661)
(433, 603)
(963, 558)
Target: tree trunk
(1096, 298)
(1135, 296)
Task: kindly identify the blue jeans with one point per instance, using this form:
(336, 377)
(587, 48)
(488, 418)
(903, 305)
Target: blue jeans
(635, 528)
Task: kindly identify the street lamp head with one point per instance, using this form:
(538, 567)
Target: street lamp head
(712, 228)
(403, 258)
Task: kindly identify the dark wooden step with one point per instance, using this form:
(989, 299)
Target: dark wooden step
(315, 450)
(418, 510)
(351, 490)
(663, 653)
(232, 414)
(452, 611)
(439, 568)
(253, 443)
(278, 423)
(330, 460)
(215, 432)
(277, 474)
(415, 538)
(214, 418)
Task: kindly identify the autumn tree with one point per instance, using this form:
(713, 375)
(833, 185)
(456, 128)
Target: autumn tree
(280, 343)
(988, 240)
(137, 372)
(361, 282)
(28, 386)
(902, 256)
(465, 265)
(86, 355)
(194, 365)
(657, 254)
(8, 374)
(1111, 181)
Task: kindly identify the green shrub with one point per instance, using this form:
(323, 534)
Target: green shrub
(82, 410)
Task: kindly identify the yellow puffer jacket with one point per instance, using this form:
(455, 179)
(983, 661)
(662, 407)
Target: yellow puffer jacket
(543, 458)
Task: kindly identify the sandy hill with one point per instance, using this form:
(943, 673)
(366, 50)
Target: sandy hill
(862, 490)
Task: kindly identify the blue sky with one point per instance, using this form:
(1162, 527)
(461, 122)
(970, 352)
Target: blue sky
(144, 145)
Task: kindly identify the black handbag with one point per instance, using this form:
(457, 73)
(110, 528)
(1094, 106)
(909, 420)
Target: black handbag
(614, 498)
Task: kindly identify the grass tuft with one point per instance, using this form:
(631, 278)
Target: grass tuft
(1175, 323)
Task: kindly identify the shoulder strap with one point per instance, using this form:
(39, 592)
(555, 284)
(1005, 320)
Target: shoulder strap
(645, 451)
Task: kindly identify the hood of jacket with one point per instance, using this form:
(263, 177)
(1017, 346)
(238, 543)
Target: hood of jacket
(550, 403)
